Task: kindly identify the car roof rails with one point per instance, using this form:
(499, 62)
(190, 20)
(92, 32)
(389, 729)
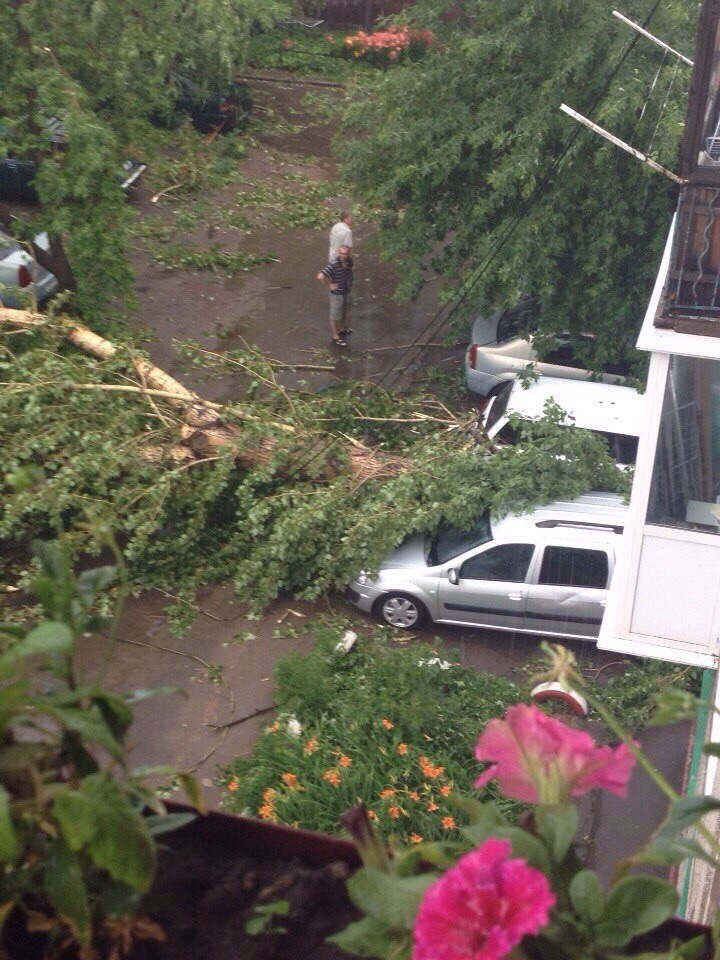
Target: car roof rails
(586, 524)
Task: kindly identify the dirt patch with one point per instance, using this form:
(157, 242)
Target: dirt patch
(204, 899)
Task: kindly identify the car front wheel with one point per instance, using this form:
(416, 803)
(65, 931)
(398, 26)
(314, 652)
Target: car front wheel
(402, 611)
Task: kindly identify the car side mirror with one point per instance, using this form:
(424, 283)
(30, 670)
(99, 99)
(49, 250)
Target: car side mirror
(452, 576)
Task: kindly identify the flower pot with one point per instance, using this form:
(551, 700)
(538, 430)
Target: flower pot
(222, 870)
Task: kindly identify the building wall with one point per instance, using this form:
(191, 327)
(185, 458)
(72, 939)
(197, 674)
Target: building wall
(360, 13)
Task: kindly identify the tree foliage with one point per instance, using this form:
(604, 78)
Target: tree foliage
(280, 526)
(103, 69)
(465, 151)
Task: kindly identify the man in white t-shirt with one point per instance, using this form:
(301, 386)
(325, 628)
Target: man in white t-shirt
(341, 235)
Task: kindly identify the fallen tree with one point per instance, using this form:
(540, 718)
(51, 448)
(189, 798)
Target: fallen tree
(204, 430)
(280, 492)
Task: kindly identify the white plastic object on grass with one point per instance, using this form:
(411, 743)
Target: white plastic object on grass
(435, 661)
(574, 701)
(346, 642)
(293, 726)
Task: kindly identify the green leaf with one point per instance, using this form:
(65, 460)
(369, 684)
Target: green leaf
(47, 639)
(523, 844)
(9, 845)
(587, 896)
(115, 712)
(390, 899)
(371, 938)
(65, 888)
(145, 693)
(87, 723)
(712, 749)
(478, 813)
(191, 786)
(557, 825)
(90, 583)
(683, 813)
(98, 817)
(634, 905)
(167, 822)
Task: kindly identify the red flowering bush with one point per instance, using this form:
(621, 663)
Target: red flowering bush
(523, 890)
(392, 44)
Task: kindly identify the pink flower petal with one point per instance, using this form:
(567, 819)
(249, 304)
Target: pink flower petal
(536, 758)
(481, 907)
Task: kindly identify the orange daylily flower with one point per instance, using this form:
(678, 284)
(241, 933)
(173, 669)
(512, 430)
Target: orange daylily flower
(448, 823)
(387, 792)
(267, 794)
(387, 724)
(344, 760)
(401, 748)
(432, 806)
(445, 790)
(310, 745)
(394, 812)
(415, 838)
(232, 783)
(413, 794)
(266, 811)
(331, 775)
(289, 779)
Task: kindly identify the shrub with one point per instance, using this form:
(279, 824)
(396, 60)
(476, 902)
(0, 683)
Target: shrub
(392, 726)
(391, 45)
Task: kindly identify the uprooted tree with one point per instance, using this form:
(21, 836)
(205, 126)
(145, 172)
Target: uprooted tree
(279, 492)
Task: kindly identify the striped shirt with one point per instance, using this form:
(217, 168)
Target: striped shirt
(339, 272)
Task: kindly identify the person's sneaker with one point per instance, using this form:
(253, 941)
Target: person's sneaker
(339, 342)
(345, 332)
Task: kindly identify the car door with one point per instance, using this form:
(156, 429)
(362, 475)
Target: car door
(488, 587)
(568, 593)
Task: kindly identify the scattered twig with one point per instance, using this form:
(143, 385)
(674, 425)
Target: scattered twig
(248, 716)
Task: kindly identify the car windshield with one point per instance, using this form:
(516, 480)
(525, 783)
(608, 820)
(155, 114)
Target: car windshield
(499, 405)
(450, 542)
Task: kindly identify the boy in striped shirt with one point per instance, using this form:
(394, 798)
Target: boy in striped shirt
(337, 279)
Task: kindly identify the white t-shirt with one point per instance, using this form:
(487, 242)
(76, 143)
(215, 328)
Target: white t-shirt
(339, 235)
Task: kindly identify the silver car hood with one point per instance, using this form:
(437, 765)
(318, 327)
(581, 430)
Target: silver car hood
(411, 553)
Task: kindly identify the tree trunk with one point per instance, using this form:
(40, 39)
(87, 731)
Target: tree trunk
(204, 432)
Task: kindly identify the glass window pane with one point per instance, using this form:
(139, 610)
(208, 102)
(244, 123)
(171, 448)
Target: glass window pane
(508, 561)
(573, 567)
(685, 489)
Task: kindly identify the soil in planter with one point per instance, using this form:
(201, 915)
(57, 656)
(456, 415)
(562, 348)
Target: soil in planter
(204, 899)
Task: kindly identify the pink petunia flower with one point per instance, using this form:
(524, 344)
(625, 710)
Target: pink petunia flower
(481, 907)
(538, 759)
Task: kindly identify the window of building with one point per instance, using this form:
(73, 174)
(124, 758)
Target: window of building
(685, 488)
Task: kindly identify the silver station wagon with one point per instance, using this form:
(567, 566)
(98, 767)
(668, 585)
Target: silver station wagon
(546, 572)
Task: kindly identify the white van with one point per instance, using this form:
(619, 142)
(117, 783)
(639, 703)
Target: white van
(545, 573)
(611, 410)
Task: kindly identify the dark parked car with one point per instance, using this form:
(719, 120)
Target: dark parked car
(17, 173)
(227, 109)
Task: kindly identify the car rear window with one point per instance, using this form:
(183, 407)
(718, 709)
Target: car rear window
(450, 542)
(515, 319)
(574, 567)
